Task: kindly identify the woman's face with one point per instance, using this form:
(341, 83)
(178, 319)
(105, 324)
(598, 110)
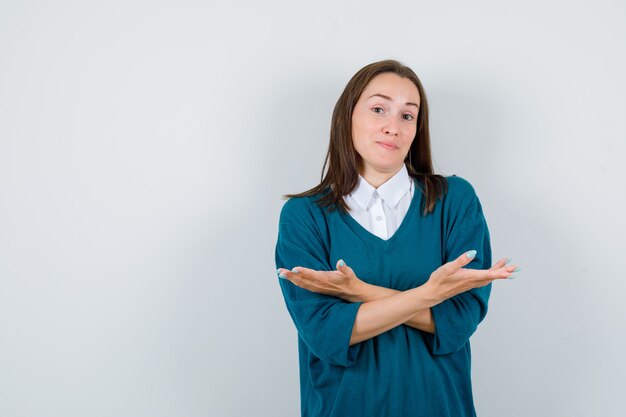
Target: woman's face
(384, 123)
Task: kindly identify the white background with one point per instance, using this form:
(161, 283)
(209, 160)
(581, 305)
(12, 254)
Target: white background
(144, 148)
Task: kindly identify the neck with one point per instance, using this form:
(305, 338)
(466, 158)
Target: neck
(377, 178)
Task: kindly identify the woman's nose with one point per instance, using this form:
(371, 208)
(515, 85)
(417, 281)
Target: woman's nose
(391, 128)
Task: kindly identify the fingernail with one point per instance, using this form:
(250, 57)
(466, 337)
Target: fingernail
(471, 254)
(517, 269)
(280, 274)
(511, 277)
(508, 260)
(341, 263)
(295, 271)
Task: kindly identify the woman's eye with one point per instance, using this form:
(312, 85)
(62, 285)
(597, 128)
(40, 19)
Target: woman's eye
(377, 109)
(407, 116)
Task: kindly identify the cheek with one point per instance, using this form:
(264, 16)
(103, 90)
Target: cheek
(365, 132)
(410, 134)
(358, 141)
(359, 134)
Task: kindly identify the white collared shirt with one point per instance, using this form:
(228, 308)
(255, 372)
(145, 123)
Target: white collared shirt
(381, 210)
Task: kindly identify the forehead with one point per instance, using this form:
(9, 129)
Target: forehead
(393, 86)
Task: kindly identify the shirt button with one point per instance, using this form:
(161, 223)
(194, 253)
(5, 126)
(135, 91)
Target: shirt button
(379, 218)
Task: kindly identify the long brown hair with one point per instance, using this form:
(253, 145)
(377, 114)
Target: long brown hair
(340, 172)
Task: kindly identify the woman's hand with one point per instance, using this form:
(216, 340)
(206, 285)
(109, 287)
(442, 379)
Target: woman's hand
(447, 281)
(342, 283)
(451, 278)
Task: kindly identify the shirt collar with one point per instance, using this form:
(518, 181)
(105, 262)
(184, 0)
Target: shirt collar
(391, 191)
(396, 187)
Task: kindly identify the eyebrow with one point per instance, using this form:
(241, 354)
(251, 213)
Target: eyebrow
(389, 98)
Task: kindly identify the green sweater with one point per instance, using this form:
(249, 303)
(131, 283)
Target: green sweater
(403, 372)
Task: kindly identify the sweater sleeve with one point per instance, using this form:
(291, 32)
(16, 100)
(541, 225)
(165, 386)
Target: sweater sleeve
(465, 228)
(324, 323)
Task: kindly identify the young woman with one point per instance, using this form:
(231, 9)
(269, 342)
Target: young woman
(385, 265)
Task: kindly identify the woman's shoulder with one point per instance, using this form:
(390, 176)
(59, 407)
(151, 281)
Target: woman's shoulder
(459, 185)
(460, 191)
(302, 209)
(296, 205)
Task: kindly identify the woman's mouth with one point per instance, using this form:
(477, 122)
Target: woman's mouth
(388, 145)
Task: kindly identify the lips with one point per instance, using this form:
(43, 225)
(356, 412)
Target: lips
(390, 146)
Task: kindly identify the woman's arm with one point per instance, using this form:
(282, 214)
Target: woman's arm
(344, 283)
(365, 292)
(379, 315)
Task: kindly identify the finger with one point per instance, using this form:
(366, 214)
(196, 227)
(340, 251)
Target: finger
(287, 275)
(502, 262)
(296, 274)
(513, 268)
(344, 269)
(483, 276)
(299, 278)
(301, 270)
(461, 261)
(340, 264)
(304, 277)
(502, 273)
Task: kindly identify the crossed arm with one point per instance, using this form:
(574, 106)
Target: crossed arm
(385, 308)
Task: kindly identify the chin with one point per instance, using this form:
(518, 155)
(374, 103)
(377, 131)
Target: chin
(390, 167)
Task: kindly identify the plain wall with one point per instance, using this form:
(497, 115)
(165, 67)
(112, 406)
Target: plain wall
(145, 146)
